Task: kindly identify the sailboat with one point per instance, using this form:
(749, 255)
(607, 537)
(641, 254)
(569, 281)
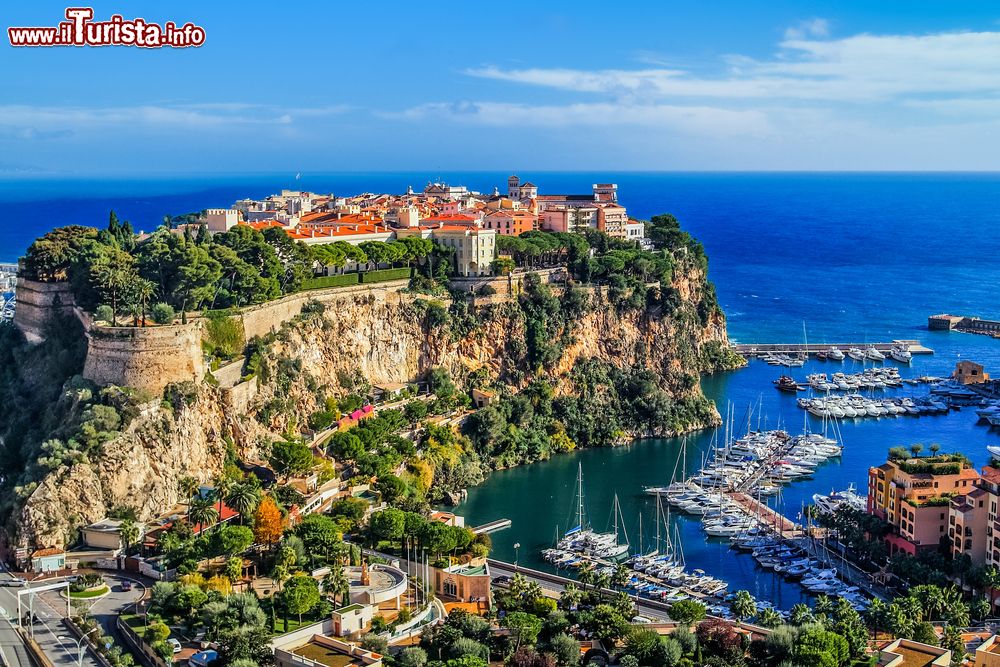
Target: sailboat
(582, 539)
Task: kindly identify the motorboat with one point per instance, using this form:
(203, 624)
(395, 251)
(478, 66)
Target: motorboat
(874, 355)
(856, 353)
(787, 383)
(835, 354)
(901, 354)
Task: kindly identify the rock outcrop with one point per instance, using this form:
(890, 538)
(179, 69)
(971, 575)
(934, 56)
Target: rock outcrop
(383, 336)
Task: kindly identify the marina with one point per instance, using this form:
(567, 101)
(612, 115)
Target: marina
(822, 350)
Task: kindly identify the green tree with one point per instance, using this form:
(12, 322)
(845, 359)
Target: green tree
(290, 457)
(607, 623)
(233, 540)
(523, 627)
(413, 656)
(687, 612)
(320, 534)
(300, 595)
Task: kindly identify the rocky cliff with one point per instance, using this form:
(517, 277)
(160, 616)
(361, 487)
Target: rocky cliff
(382, 336)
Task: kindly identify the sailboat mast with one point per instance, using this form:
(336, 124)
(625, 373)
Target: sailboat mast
(579, 482)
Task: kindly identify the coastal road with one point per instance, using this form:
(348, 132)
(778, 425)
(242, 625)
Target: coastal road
(655, 611)
(49, 631)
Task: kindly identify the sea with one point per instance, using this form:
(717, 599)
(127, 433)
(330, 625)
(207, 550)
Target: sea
(827, 257)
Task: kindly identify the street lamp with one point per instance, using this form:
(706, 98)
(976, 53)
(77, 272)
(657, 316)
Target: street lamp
(80, 650)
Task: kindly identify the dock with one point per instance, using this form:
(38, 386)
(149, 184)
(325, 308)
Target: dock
(492, 526)
(783, 526)
(793, 349)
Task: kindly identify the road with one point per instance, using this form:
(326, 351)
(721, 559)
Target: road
(50, 608)
(656, 611)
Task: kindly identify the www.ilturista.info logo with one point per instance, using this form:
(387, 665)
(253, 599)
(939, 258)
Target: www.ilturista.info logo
(80, 30)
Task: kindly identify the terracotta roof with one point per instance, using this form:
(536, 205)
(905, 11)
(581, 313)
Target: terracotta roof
(48, 551)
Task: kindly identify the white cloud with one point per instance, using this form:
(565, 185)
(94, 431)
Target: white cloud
(861, 68)
(811, 28)
(30, 122)
(696, 119)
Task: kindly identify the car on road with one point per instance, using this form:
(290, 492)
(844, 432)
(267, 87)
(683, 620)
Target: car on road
(126, 585)
(16, 581)
(175, 645)
(502, 580)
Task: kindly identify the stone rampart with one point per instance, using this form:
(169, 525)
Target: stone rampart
(144, 357)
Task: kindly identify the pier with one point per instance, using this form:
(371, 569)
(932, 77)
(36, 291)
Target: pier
(783, 526)
(754, 349)
(492, 526)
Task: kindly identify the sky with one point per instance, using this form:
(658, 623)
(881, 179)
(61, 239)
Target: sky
(670, 85)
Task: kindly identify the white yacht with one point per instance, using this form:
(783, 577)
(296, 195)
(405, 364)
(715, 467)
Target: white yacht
(874, 355)
(901, 354)
(856, 353)
(835, 354)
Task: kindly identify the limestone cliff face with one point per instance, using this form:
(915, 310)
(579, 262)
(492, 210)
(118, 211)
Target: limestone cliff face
(383, 336)
(139, 469)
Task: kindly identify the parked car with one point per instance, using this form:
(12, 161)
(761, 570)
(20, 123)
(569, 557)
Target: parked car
(126, 585)
(175, 645)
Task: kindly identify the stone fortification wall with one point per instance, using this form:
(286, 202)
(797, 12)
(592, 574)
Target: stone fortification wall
(267, 317)
(144, 357)
(37, 302)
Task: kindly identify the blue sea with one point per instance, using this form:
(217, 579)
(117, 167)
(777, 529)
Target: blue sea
(843, 257)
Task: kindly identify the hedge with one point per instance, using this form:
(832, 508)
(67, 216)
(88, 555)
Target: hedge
(330, 281)
(386, 274)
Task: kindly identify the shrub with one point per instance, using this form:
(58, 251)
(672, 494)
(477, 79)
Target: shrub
(104, 313)
(162, 313)
(385, 274)
(330, 281)
(224, 336)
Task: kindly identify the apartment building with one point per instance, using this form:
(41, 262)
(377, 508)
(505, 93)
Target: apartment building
(915, 497)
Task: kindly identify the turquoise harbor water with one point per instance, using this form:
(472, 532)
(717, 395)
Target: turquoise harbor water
(856, 257)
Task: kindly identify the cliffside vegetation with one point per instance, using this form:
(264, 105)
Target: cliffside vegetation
(115, 273)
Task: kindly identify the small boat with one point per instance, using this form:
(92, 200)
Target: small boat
(835, 354)
(901, 354)
(856, 353)
(787, 383)
(822, 355)
(994, 451)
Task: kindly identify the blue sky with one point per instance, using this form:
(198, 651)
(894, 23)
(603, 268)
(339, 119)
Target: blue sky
(680, 85)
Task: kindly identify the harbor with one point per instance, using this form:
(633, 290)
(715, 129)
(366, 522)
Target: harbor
(761, 350)
(539, 496)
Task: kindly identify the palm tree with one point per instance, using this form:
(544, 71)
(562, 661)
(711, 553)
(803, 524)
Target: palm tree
(620, 577)
(336, 583)
(586, 574)
(188, 486)
(221, 486)
(876, 615)
(601, 581)
(128, 533)
(744, 606)
(244, 498)
(202, 512)
(991, 581)
(769, 618)
(570, 597)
